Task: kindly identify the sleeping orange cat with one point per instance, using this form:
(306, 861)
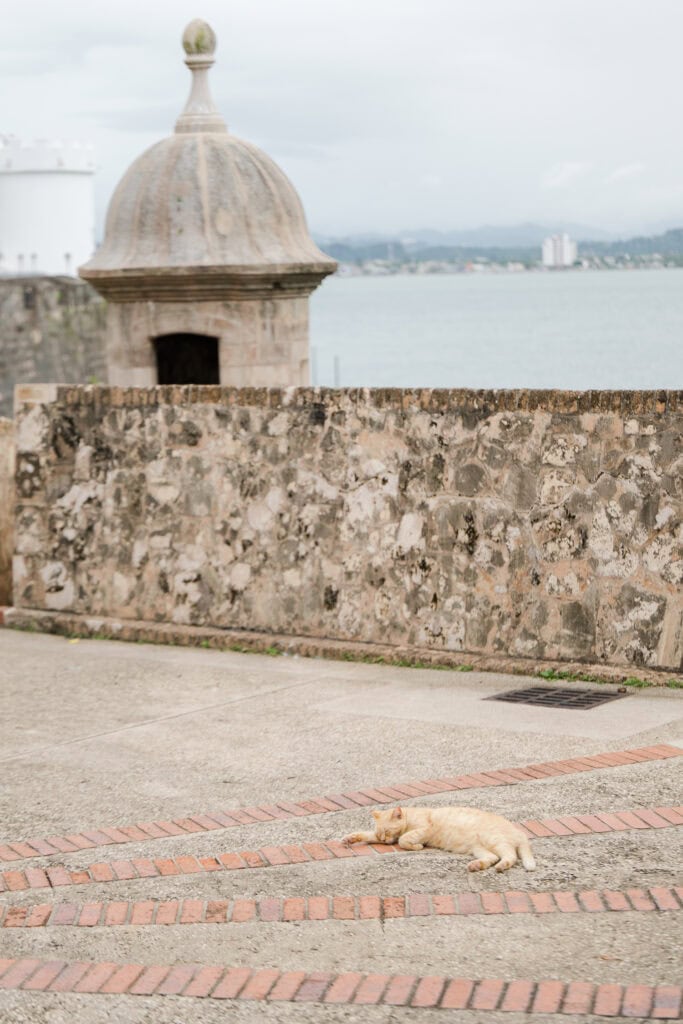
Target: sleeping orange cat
(489, 838)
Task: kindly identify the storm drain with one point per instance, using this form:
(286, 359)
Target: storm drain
(556, 697)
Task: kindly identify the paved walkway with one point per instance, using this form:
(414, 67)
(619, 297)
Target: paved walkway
(169, 849)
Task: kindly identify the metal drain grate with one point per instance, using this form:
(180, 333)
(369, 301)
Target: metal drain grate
(556, 697)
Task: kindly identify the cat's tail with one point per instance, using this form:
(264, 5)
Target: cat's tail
(525, 854)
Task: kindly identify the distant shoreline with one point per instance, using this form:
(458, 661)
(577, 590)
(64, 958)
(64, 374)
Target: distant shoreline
(387, 268)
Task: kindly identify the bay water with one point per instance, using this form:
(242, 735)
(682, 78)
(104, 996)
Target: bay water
(581, 330)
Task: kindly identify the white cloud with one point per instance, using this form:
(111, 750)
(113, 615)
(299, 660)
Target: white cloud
(431, 180)
(565, 173)
(624, 172)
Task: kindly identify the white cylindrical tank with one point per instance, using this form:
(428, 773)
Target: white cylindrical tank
(47, 208)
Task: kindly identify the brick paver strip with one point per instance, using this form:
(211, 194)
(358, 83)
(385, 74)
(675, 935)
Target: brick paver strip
(167, 912)
(445, 905)
(44, 976)
(669, 814)
(663, 898)
(637, 1001)
(365, 797)
(15, 916)
(428, 991)
(371, 989)
(260, 984)
(578, 998)
(487, 994)
(243, 910)
(590, 901)
(95, 978)
(668, 1002)
(313, 987)
(18, 973)
(518, 996)
(122, 979)
(608, 1000)
(232, 983)
(149, 981)
(286, 987)
(39, 915)
(203, 982)
(343, 987)
(176, 980)
(619, 900)
(468, 903)
(341, 908)
(547, 997)
(66, 981)
(142, 912)
(16, 880)
(458, 993)
(5, 965)
(640, 900)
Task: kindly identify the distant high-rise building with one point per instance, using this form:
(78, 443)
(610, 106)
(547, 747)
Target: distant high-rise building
(559, 251)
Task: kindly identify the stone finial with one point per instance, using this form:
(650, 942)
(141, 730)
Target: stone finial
(199, 39)
(200, 113)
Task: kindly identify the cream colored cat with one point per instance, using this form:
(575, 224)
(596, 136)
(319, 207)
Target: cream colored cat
(489, 838)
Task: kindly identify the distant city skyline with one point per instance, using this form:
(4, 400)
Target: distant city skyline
(525, 235)
(389, 117)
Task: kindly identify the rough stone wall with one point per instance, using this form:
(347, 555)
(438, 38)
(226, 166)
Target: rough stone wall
(51, 329)
(6, 509)
(538, 524)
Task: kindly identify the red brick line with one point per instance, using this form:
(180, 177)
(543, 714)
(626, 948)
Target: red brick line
(661, 1002)
(338, 908)
(275, 856)
(145, 831)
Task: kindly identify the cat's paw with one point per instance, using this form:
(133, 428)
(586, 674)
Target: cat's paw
(504, 865)
(476, 865)
(354, 837)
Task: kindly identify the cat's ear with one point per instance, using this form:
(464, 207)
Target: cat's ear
(397, 813)
(375, 815)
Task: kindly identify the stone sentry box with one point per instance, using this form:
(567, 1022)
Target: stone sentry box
(545, 525)
(207, 263)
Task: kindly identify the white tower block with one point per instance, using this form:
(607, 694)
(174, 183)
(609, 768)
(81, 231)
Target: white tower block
(47, 209)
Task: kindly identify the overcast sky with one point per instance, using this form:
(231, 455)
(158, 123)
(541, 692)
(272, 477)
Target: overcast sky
(388, 115)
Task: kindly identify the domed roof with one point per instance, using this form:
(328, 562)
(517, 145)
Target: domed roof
(202, 208)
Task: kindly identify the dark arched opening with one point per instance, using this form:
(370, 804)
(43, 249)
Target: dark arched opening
(187, 359)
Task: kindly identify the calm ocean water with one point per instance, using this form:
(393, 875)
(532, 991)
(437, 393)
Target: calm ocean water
(591, 329)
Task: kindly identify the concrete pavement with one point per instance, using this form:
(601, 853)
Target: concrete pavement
(98, 733)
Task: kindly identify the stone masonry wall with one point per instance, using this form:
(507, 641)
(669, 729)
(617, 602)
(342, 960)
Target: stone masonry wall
(537, 524)
(51, 329)
(6, 509)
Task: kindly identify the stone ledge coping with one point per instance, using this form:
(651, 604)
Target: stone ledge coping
(436, 400)
(255, 642)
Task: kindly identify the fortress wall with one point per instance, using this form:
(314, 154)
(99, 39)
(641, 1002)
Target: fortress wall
(6, 509)
(51, 329)
(534, 524)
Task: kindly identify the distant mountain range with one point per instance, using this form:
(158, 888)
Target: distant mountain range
(670, 243)
(516, 242)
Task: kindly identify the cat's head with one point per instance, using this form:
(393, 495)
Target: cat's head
(389, 825)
